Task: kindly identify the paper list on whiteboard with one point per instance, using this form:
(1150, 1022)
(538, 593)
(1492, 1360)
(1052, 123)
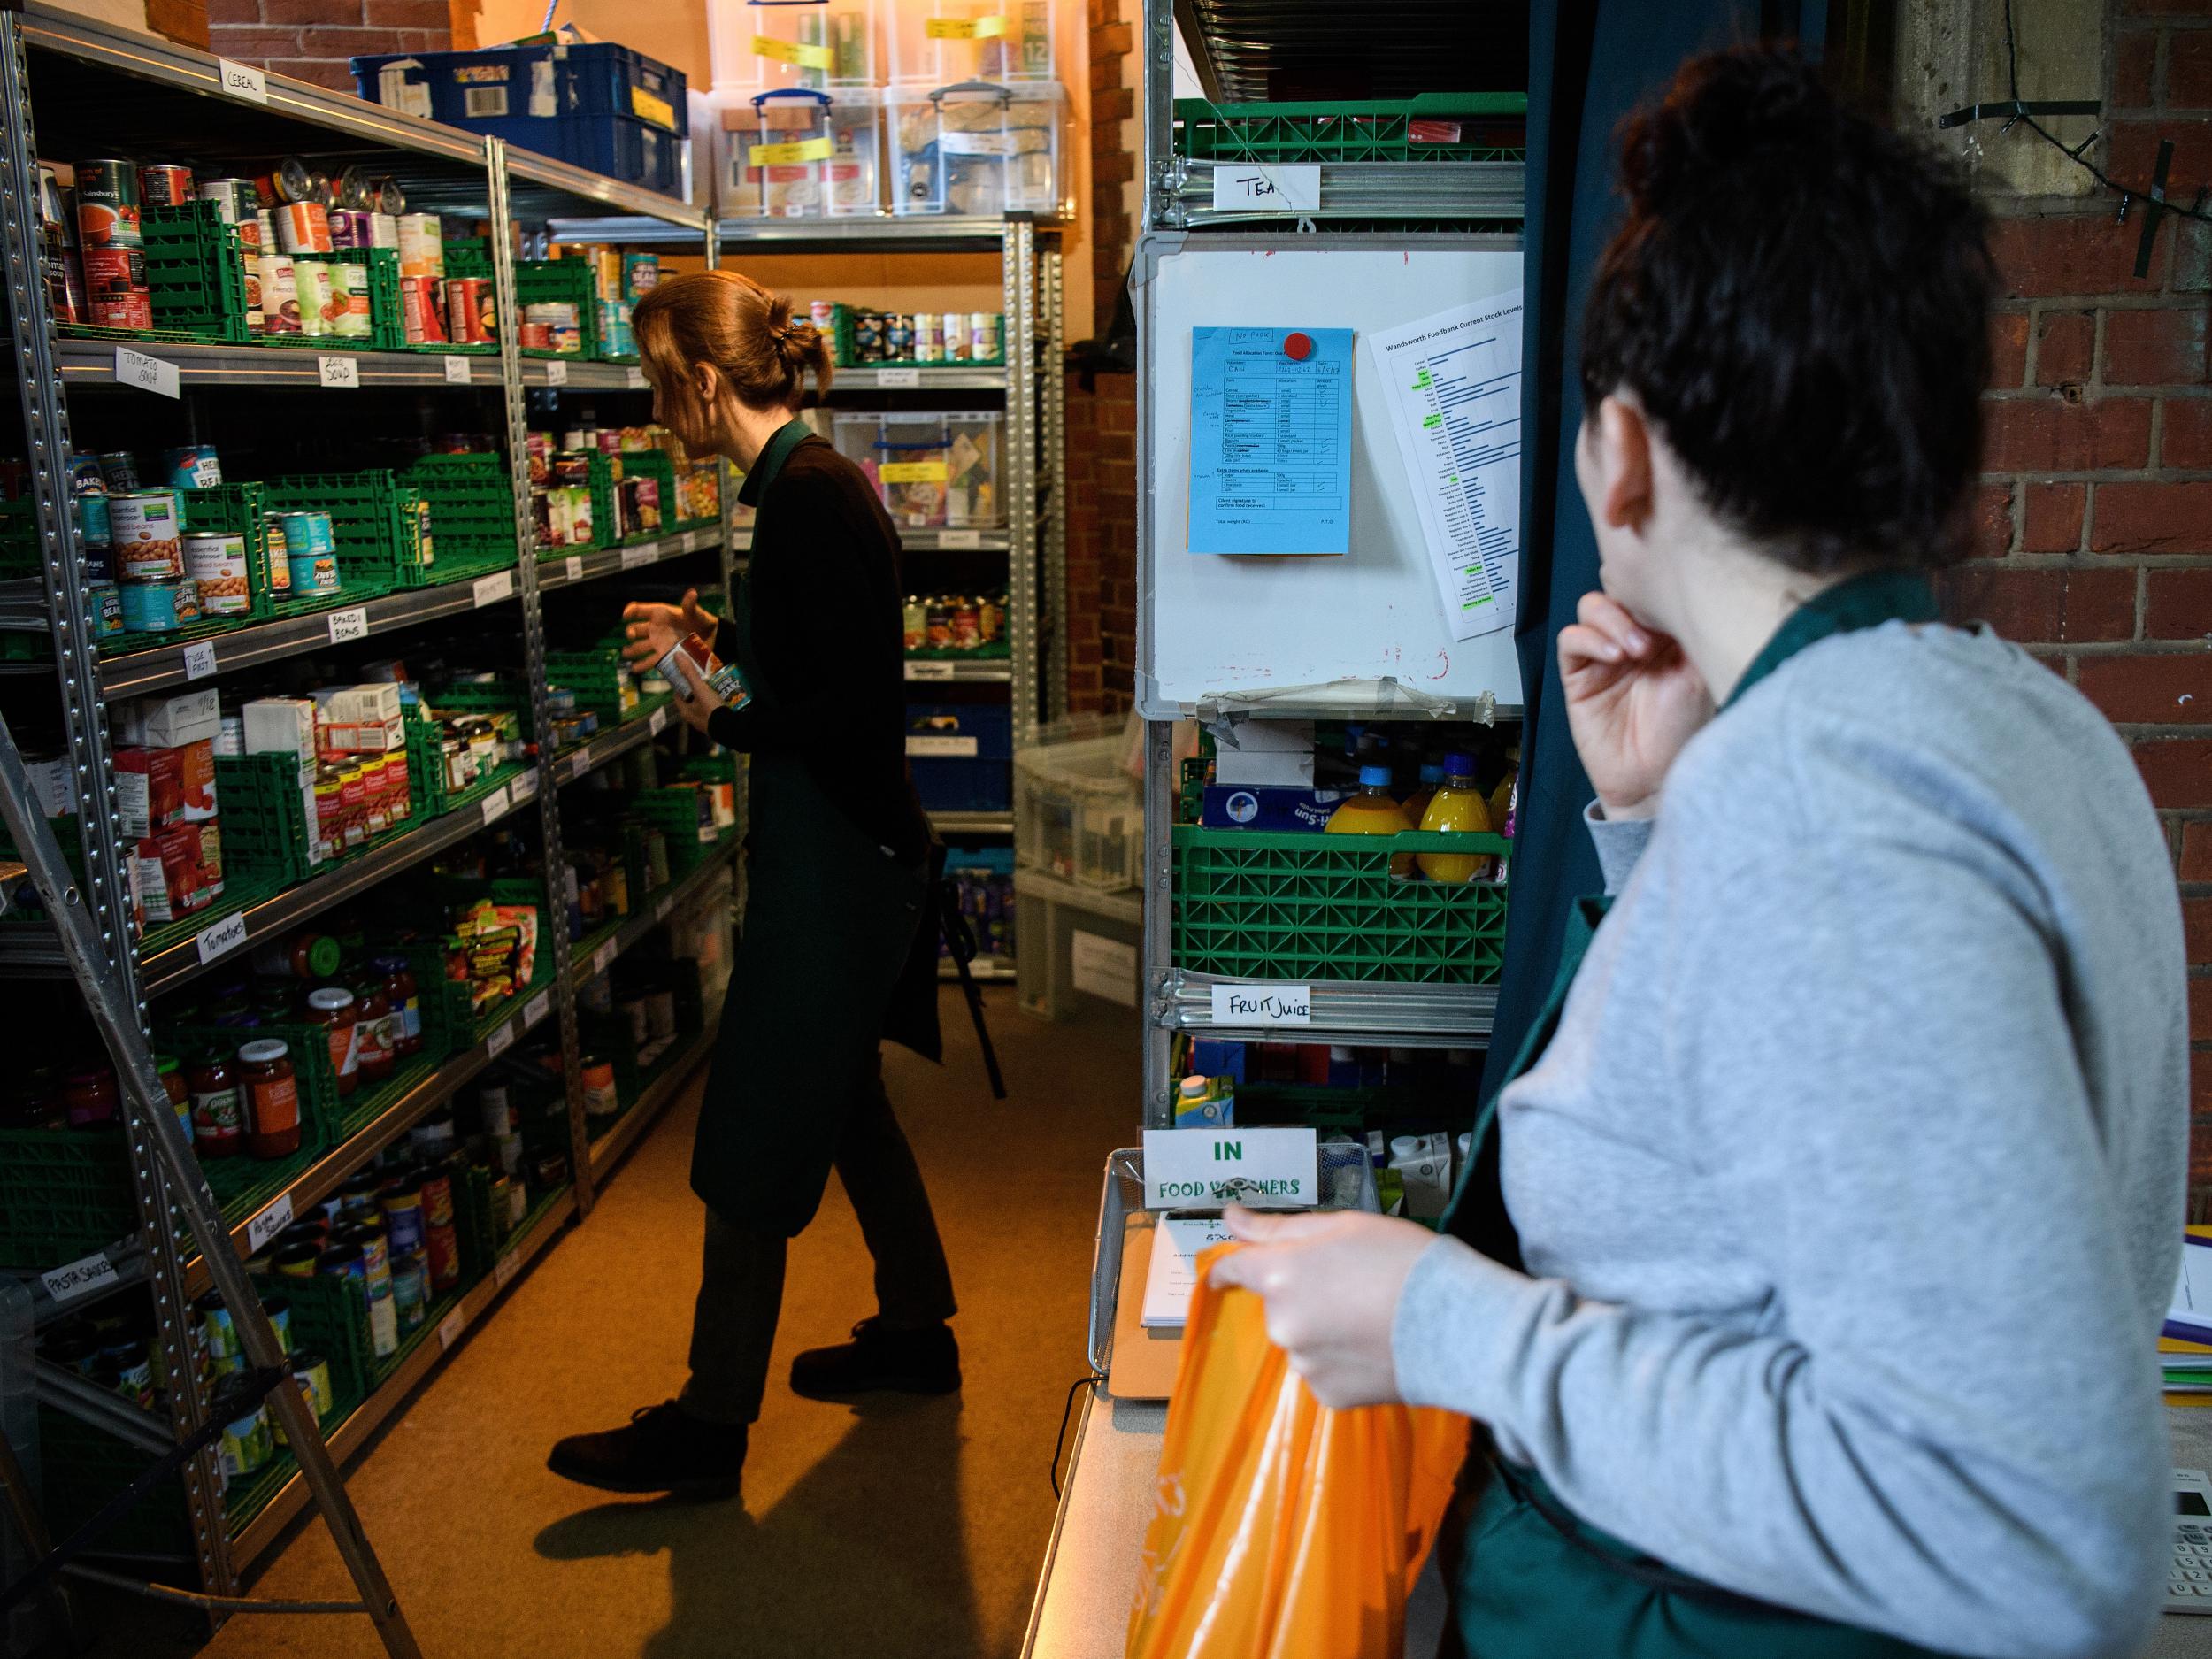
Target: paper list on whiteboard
(1455, 386)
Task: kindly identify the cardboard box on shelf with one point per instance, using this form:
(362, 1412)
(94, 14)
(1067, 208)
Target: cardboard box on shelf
(171, 722)
(156, 788)
(178, 871)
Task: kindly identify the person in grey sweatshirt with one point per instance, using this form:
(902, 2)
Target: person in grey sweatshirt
(1835, 1207)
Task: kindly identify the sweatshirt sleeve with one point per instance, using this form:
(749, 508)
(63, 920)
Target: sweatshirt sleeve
(1620, 842)
(1874, 1047)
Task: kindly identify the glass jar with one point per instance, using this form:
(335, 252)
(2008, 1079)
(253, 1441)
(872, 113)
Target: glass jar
(401, 992)
(455, 754)
(331, 1006)
(92, 1097)
(373, 1030)
(180, 1093)
(307, 954)
(273, 1099)
(219, 1124)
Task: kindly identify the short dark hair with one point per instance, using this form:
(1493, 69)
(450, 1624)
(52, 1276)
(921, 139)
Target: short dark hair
(1799, 299)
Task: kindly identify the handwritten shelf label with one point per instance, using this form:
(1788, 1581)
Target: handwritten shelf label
(218, 938)
(575, 568)
(1280, 189)
(80, 1278)
(495, 804)
(491, 589)
(523, 787)
(929, 670)
(199, 660)
(499, 1041)
(242, 80)
(943, 748)
(634, 556)
(349, 624)
(269, 1223)
(450, 1327)
(537, 1007)
(1248, 1006)
(343, 373)
(659, 722)
(149, 374)
(504, 1270)
(892, 378)
(557, 372)
(635, 378)
(960, 538)
(457, 371)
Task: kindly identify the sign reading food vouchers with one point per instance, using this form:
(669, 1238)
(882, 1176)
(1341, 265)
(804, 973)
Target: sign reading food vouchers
(1209, 1169)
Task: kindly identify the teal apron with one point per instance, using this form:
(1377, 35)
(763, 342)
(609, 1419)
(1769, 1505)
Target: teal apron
(1530, 1580)
(831, 921)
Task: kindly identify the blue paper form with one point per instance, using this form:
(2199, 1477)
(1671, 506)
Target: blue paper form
(1271, 441)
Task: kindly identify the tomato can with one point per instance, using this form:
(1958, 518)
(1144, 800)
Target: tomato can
(108, 205)
(124, 308)
(279, 295)
(303, 227)
(468, 302)
(147, 529)
(217, 564)
(162, 184)
(420, 315)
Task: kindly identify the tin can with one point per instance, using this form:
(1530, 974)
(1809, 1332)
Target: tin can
(468, 302)
(108, 205)
(278, 1313)
(63, 270)
(311, 278)
(384, 231)
(991, 618)
(217, 564)
(349, 300)
(311, 1372)
(929, 330)
(114, 269)
(234, 200)
(401, 1202)
(967, 625)
(349, 228)
(162, 184)
(537, 337)
(410, 1291)
(376, 1258)
(867, 336)
(219, 1336)
(421, 245)
(92, 522)
(154, 607)
(931, 350)
(917, 624)
(938, 624)
(898, 336)
(303, 227)
(106, 600)
(957, 349)
(279, 295)
(280, 556)
(311, 550)
(421, 316)
(192, 466)
(562, 321)
(288, 182)
(249, 275)
(297, 1261)
(147, 529)
(117, 471)
(247, 1446)
(124, 308)
(983, 336)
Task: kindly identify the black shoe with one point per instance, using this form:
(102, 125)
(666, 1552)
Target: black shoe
(877, 1357)
(665, 1449)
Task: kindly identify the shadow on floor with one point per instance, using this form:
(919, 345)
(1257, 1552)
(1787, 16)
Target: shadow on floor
(884, 1504)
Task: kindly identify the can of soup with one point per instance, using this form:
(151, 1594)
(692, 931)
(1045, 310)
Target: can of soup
(350, 300)
(303, 227)
(311, 278)
(155, 607)
(279, 294)
(162, 184)
(108, 205)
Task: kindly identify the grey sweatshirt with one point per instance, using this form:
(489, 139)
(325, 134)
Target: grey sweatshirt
(1851, 1188)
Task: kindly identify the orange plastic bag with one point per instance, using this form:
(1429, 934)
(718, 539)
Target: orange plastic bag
(1283, 1530)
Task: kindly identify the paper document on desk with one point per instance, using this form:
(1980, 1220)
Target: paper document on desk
(1174, 1274)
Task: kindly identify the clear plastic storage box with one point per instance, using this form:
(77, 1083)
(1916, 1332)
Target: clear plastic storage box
(933, 471)
(936, 43)
(822, 45)
(1078, 812)
(794, 154)
(976, 149)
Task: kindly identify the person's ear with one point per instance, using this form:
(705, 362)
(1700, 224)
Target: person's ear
(1622, 453)
(707, 380)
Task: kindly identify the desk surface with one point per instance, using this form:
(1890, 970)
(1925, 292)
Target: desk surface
(1082, 1610)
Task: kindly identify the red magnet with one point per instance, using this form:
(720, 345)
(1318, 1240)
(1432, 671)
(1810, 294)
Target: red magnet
(1297, 348)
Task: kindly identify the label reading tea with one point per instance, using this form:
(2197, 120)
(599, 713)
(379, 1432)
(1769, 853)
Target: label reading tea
(1270, 190)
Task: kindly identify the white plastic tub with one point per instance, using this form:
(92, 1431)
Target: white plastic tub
(976, 149)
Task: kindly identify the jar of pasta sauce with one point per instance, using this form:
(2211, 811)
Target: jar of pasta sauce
(273, 1099)
(401, 993)
(331, 1006)
(180, 1093)
(373, 1030)
(218, 1120)
(92, 1097)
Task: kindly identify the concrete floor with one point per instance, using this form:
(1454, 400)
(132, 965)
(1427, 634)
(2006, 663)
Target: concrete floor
(910, 1527)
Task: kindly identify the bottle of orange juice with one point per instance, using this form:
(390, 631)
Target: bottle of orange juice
(1457, 807)
(1417, 803)
(1372, 811)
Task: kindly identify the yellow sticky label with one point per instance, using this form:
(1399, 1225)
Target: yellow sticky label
(660, 111)
(783, 155)
(964, 28)
(911, 471)
(791, 52)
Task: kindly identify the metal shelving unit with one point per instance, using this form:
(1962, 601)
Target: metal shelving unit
(142, 94)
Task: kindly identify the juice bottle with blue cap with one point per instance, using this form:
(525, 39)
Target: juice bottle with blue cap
(1459, 808)
(1417, 803)
(1372, 811)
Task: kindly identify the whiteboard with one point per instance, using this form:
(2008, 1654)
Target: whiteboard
(1211, 627)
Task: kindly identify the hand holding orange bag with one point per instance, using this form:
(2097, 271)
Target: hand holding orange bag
(1284, 1529)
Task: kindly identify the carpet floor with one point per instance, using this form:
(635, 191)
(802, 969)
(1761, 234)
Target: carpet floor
(908, 1527)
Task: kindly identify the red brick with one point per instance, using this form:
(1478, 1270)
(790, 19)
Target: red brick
(246, 12)
(2008, 350)
(2180, 605)
(2200, 1007)
(2171, 689)
(317, 72)
(2152, 518)
(2052, 521)
(2131, 158)
(410, 14)
(2044, 607)
(2196, 850)
(1991, 529)
(342, 43)
(2200, 1080)
(1117, 105)
(253, 45)
(2196, 923)
(2065, 345)
(2038, 257)
(2134, 66)
(2187, 442)
(2043, 434)
(2189, 71)
(2160, 348)
(2177, 771)
(321, 13)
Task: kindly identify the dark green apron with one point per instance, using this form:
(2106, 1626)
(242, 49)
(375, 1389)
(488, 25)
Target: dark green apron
(1530, 1580)
(830, 920)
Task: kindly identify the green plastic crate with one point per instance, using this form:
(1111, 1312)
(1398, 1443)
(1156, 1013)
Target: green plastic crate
(19, 552)
(674, 811)
(83, 1469)
(426, 771)
(226, 509)
(471, 506)
(196, 268)
(469, 258)
(265, 832)
(330, 1317)
(1465, 126)
(541, 281)
(377, 525)
(594, 675)
(1303, 906)
(63, 1194)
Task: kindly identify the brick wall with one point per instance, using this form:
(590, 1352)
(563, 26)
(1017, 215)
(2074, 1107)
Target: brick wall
(313, 38)
(2093, 524)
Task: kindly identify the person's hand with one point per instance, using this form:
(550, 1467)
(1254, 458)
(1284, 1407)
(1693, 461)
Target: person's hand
(699, 707)
(641, 619)
(1332, 1283)
(1633, 700)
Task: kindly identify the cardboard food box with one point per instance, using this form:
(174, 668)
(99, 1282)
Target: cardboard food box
(178, 871)
(171, 722)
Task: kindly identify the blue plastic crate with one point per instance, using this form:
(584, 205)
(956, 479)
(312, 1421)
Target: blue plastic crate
(980, 783)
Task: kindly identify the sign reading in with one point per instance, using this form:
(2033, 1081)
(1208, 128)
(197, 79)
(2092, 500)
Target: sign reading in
(1208, 1169)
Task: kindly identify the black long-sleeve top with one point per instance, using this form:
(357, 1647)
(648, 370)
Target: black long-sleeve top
(828, 634)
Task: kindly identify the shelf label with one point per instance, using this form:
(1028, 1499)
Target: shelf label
(242, 80)
(457, 371)
(792, 155)
(80, 1279)
(349, 624)
(635, 378)
(218, 937)
(495, 804)
(339, 372)
(659, 722)
(579, 764)
(793, 52)
(603, 959)
(964, 28)
(537, 1007)
(943, 748)
(1206, 1168)
(491, 589)
(523, 787)
(634, 556)
(1244, 1006)
(928, 671)
(556, 371)
(888, 378)
(499, 1041)
(450, 1327)
(575, 568)
(269, 1223)
(199, 660)
(960, 538)
(1279, 189)
(504, 1270)
(149, 374)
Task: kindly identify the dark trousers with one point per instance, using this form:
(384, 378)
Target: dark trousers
(740, 1289)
